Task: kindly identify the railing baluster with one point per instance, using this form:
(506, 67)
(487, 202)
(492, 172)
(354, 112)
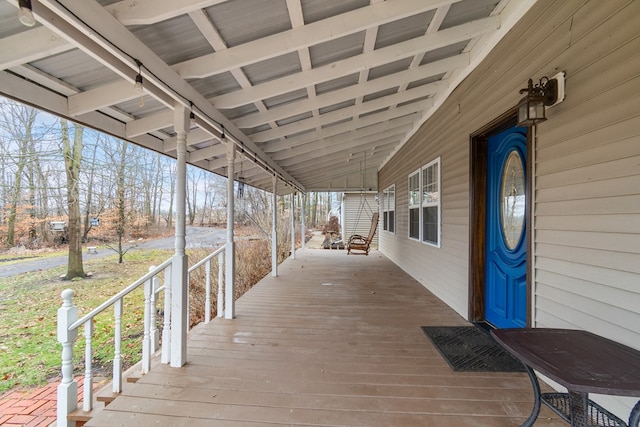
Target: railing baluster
(146, 340)
(68, 387)
(68, 324)
(87, 400)
(117, 344)
(220, 284)
(188, 301)
(155, 342)
(207, 296)
(166, 326)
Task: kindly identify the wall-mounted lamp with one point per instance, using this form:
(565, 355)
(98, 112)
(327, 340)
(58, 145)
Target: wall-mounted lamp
(25, 13)
(547, 92)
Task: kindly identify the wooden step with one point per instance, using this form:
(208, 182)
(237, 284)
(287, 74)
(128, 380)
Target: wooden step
(107, 398)
(82, 417)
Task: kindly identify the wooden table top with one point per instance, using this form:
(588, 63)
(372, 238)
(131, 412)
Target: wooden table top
(579, 360)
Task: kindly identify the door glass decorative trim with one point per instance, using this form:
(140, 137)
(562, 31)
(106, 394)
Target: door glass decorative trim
(512, 200)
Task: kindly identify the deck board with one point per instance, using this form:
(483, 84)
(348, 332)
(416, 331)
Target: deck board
(334, 340)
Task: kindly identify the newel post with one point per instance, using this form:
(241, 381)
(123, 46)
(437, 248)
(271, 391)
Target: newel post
(68, 388)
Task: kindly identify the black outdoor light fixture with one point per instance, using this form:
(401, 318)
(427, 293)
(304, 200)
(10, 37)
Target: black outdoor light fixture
(25, 13)
(547, 92)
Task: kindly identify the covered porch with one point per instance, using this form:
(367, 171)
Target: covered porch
(333, 340)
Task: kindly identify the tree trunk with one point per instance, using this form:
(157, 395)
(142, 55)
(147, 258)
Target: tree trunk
(72, 159)
(172, 193)
(87, 215)
(121, 202)
(314, 216)
(44, 204)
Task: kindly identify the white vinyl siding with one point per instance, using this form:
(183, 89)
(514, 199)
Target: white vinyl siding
(357, 211)
(586, 195)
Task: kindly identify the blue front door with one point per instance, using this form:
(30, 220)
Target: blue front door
(506, 251)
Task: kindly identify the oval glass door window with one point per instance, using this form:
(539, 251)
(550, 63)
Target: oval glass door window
(512, 200)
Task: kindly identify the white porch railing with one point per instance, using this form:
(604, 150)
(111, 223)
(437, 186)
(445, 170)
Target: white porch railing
(68, 325)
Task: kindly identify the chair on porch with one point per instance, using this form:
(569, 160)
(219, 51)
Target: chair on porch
(362, 243)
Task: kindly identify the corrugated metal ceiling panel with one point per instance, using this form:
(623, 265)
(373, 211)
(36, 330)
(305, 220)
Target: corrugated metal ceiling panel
(240, 22)
(281, 82)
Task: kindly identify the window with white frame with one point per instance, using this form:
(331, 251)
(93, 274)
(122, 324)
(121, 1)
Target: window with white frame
(414, 205)
(389, 209)
(424, 204)
(431, 203)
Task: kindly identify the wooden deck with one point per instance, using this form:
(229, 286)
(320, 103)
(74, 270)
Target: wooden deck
(335, 340)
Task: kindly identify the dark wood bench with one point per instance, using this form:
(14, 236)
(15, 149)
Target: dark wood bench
(583, 363)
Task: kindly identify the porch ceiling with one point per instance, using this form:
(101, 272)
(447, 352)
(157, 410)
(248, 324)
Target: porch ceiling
(319, 92)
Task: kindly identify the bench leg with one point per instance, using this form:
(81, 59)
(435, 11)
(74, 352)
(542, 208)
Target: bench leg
(579, 408)
(536, 396)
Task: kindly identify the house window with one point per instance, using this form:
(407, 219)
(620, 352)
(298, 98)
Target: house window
(389, 209)
(431, 203)
(414, 205)
(424, 204)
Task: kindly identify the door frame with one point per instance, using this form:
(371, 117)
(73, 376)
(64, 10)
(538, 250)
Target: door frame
(478, 154)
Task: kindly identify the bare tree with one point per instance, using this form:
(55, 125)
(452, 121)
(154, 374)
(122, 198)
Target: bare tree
(158, 189)
(72, 153)
(91, 170)
(17, 121)
(121, 200)
(172, 193)
(193, 183)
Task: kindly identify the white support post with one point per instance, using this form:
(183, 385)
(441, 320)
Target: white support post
(274, 228)
(179, 293)
(302, 219)
(68, 387)
(230, 252)
(293, 226)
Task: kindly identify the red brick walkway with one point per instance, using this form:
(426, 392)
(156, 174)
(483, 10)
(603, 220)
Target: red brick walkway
(31, 408)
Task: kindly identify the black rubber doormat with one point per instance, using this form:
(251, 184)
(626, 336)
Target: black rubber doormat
(468, 348)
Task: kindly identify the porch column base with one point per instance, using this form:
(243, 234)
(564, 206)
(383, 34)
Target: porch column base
(179, 319)
(67, 403)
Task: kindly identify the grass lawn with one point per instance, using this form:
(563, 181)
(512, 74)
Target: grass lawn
(29, 352)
